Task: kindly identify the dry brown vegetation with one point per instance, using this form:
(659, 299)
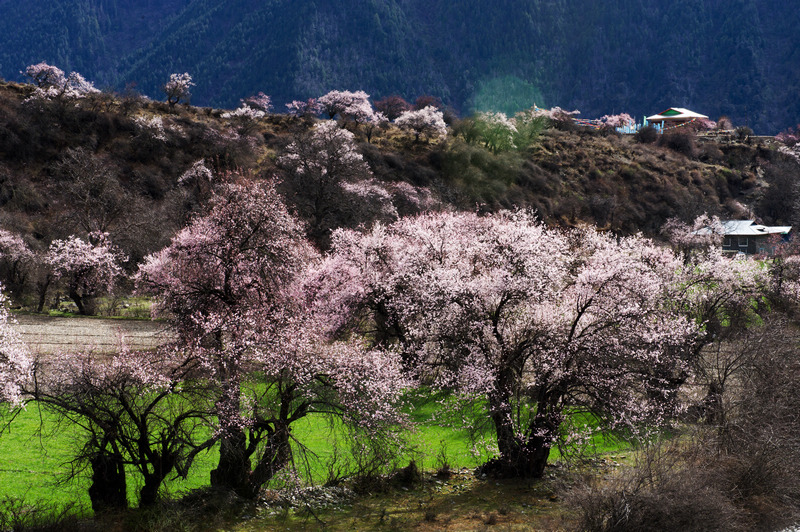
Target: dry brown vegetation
(569, 177)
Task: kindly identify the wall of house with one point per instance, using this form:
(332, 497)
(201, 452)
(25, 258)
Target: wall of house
(743, 244)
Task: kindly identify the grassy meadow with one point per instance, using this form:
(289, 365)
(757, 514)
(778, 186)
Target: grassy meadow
(36, 452)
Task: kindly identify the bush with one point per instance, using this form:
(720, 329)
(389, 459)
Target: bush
(743, 474)
(647, 135)
(743, 133)
(658, 495)
(42, 516)
(680, 141)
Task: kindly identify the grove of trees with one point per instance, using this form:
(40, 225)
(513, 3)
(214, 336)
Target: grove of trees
(323, 289)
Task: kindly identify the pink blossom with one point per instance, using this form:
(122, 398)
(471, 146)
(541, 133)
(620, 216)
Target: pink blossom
(305, 108)
(260, 101)
(227, 282)
(428, 122)
(52, 84)
(509, 312)
(86, 268)
(15, 360)
(620, 120)
(178, 88)
(346, 104)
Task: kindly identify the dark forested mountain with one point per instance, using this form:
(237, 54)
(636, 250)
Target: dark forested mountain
(740, 58)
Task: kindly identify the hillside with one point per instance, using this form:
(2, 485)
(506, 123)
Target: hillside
(736, 58)
(116, 165)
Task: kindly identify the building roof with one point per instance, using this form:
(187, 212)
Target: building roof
(675, 113)
(750, 228)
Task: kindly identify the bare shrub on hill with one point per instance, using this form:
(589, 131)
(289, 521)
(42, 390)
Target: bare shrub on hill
(682, 141)
(647, 135)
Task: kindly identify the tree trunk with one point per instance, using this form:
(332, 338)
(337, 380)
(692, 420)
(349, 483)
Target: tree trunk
(148, 494)
(41, 288)
(84, 303)
(233, 469)
(712, 404)
(520, 456)
(108, 491)
(277, 454)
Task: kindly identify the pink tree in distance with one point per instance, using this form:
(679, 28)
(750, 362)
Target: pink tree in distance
(86, 268)
(178, 88)
(15, 360)
(427, 122)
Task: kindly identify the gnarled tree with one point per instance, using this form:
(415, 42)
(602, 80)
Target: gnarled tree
(226, 282)
(528, 321)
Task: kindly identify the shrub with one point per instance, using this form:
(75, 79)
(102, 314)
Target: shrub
(647, 135)
(743, 133)
(679, 141)
(42, 516)
(741, 475)
(661, 493)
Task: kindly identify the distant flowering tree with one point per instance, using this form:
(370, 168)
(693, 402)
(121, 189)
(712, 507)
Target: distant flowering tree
(245, 112)
(427, 122)
(701, 124)
(373, 123)
(226, 281)
(52, 84)
(325, 171)
(44, 75)
(244, 117)
(705, 232)
(178, 88)
(305, 108)
(260, 101)
(724, 123)
(17, 262)
(496, 131)
(527, 322)
(556, 114)
(350, 106)
(86, 269)
(615, 121)
(151, 127)
(328, 154)
(722, 296)
(198, 173)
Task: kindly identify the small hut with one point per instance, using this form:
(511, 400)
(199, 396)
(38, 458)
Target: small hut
(746, 236)
(674, 116)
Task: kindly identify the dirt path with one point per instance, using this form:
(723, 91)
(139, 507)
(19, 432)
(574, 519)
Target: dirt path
(45, 334)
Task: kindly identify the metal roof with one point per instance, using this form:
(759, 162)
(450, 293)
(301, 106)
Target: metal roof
(750, 228)
(675, 113)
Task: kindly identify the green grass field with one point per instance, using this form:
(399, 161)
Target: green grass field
(35, 453)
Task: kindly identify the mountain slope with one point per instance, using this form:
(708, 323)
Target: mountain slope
(734, 57)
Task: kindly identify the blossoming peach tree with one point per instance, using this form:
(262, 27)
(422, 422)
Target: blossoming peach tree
(530, 323)
(226, 282)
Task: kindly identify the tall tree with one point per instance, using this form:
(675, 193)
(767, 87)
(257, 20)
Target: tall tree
(226, 282)
(530, 322)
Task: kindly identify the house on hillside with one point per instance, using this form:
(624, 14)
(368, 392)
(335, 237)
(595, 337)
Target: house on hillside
(746, 236)
(674, 116)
